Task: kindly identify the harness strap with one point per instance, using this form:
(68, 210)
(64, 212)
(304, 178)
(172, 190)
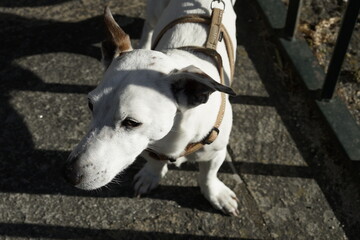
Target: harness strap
(193, 147)
(204, 19)
(217, 32)
(214, 33)
(185, 19)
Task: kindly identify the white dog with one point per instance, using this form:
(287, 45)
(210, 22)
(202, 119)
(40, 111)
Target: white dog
(159, 103)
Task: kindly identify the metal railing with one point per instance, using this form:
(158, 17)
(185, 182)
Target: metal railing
(341, 46)
(284, 22)
(343, 40)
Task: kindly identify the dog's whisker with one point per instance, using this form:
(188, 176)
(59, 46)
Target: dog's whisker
(97, 191)
(154, 148)
(116, 181)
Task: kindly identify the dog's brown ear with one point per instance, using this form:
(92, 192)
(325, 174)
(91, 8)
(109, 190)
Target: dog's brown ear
(116, 42)
(192, 87)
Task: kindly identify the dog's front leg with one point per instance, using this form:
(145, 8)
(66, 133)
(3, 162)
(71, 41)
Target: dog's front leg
(147, 32)
(214, 190)
(149, 176)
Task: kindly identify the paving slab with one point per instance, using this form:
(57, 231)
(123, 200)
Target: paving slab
(280, 169)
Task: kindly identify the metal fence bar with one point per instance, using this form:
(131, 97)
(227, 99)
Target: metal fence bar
(342, 43)
(292, 18)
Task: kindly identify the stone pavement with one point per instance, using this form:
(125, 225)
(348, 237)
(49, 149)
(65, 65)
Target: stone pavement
(291, 181)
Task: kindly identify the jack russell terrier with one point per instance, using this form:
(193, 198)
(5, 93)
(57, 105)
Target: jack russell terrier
(167, 102)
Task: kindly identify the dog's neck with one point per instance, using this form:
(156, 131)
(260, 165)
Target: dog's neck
(189, 124)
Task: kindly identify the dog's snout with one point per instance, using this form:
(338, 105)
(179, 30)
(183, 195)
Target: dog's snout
(71, 174)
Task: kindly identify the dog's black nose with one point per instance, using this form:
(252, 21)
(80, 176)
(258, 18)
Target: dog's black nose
(71, 174)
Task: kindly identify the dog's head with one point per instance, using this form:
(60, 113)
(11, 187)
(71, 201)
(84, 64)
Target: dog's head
(134, 106)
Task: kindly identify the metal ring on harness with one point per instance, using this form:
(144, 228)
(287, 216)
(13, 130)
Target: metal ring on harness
(219, 2)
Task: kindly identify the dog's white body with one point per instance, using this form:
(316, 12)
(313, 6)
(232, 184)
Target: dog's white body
(140, 104)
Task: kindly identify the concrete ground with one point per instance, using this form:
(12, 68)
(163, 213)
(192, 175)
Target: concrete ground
(291, 180)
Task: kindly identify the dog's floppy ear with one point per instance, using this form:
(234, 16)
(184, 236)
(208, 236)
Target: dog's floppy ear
(192, 87)
(116, 42)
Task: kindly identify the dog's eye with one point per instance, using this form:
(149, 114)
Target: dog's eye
(130, 123)
(90, 105)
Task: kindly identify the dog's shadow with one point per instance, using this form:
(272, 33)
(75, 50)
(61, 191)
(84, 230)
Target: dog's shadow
(26, 3)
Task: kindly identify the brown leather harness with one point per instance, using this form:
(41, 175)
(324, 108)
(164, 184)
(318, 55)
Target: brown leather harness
(217, 33)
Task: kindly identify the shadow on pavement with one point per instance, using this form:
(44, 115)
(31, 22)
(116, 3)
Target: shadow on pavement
(60, 232)
(26, 3)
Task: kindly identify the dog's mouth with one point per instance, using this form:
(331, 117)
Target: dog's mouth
(88, 183)
(93, 184)
(85, 177)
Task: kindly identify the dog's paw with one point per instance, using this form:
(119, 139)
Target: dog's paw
(221, 197)
(147, 179)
